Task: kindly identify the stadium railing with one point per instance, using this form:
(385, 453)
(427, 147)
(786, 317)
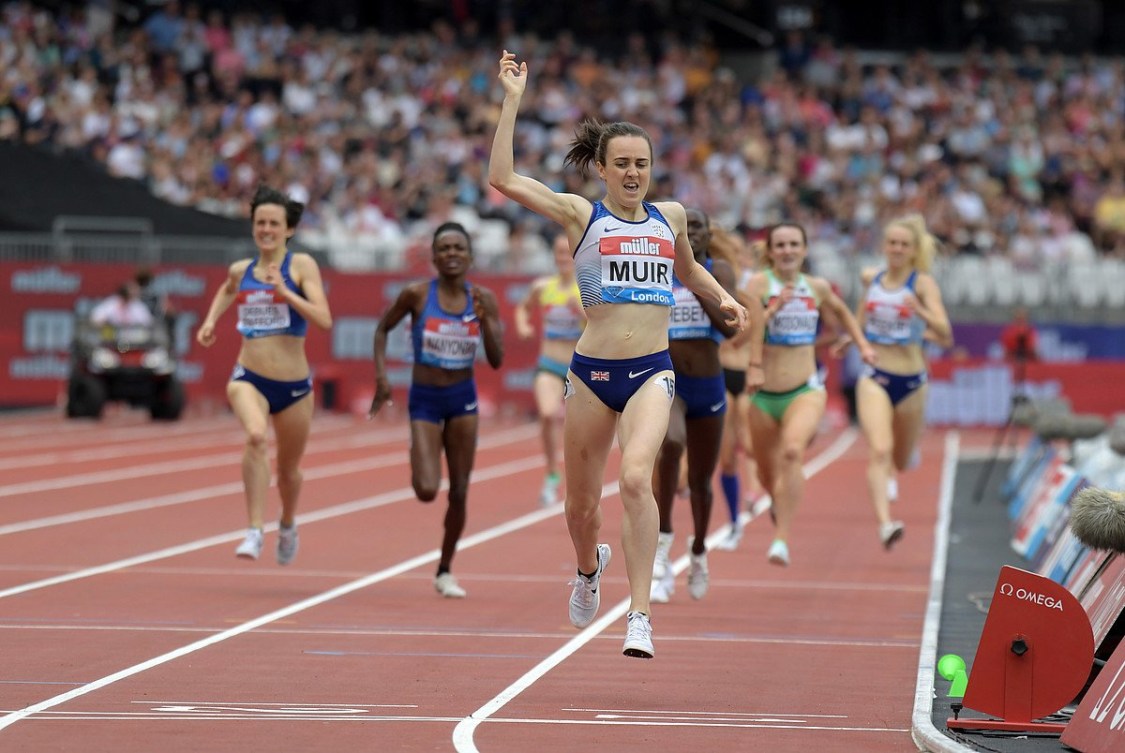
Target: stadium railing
(975, 289)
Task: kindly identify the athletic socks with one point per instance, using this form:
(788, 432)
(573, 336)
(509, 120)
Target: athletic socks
(732, 493)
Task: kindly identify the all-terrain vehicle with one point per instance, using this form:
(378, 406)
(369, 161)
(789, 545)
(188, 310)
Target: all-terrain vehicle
(132, 364)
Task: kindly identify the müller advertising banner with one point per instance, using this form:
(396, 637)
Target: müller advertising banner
(37, 324)
(980, 392)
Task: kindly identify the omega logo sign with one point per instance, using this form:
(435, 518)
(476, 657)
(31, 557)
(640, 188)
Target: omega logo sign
(1050, 602)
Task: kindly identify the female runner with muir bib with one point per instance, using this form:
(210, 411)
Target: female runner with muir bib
(620, 383)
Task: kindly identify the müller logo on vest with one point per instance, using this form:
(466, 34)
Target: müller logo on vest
(640, 246)
(258, 296)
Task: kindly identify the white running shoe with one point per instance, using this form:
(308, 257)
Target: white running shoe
(638, 636)
(548, 495)
(663, 549)
(585, 598)
(287, 544)
(779, 553)
(731, 541)
(251, 546)
(890, 533)
(698, 577)
(662, 590)
(892, 489)
(446, 585)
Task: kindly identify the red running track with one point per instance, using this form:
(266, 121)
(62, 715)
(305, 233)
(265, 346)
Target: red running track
(127, 624)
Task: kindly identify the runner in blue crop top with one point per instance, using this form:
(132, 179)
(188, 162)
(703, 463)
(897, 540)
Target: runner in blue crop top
(901, 306)
(621, 382)
(450, 318)
(277, 294)
(262, 311)
(695, 425)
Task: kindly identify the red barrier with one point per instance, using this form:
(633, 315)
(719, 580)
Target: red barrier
(1034, 655)
(1098, 725)
(37, 324)
(978, 392)
(1103, 597)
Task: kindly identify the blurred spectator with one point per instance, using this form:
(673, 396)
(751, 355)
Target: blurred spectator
(156, 302)
(1019, 338)
(528, 252)
(794, 54)
(123, 308)
(991, 146)
(164, 27)
(1109, 214)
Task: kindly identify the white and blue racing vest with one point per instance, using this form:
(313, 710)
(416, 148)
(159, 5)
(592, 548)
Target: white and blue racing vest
(625, 262)
(888, 318)
(447, 340)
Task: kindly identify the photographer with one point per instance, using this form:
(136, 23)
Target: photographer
(1019, 338)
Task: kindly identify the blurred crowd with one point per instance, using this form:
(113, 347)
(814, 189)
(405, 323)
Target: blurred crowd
(385, 136)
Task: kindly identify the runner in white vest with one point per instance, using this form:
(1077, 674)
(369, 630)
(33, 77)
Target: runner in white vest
(621, 382)
(902, 306)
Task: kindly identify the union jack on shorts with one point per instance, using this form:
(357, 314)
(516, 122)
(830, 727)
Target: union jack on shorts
(599, 376)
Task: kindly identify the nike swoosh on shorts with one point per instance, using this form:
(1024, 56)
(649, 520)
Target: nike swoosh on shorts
(635, 374)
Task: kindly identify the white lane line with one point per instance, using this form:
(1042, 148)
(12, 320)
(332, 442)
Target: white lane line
(261, 705)
(667, 712)
(116, 474)
(58, 439)
(507, 635)
(312, 473)
(463, 733)
(320, 440)
(94, 716)
(345, 508)
(145, 469)
(207, 716)
(468, 542)
(80, 434)
(925, 734)
(110, 451)
(817, 464)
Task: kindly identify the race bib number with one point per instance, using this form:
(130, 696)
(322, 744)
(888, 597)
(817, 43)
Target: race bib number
(889, 323)
(795, 323)
(637, 270)
(688, 319)
(450, 344)
(263, 316)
